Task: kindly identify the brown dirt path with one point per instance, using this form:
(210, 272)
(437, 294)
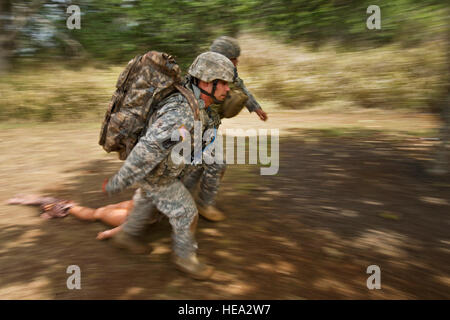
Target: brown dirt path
(342, 200)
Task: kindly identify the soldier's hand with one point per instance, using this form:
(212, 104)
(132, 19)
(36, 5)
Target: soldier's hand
(261, 114)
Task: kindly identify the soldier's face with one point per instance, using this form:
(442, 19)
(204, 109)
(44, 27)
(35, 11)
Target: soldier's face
(220, 94)
(235, 61)
(222, 89)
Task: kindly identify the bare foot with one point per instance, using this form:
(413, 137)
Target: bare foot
(45, 215)
(30, 199)
(105, 235)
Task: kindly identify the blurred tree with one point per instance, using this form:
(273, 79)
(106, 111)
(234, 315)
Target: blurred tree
(116, 30)
(345, 20)
(441, 164)
(13, 18)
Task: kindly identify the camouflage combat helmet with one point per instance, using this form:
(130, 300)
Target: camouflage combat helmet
(227, 46)
(210, 66)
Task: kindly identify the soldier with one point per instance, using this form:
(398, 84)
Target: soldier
(150, 166)
(229, 47)
(209, 176)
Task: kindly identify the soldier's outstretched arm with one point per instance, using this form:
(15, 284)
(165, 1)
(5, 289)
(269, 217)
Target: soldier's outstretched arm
(252, 104)
(153, 147)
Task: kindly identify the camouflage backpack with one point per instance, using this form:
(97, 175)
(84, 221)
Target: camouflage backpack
(145, 82)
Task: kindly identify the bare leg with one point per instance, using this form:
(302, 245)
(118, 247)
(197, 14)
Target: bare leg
(108, 233)
(83, 213)
(113, 215)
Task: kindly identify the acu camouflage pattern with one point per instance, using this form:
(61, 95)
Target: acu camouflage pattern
(210, 66)
(149, 166)
(207, 178)
(237, 98)
(251, 104)
(145, 81)
(227, 46)
(210, 176)
(174, 201)
(150, 159)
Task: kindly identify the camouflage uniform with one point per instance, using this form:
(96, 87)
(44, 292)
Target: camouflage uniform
(209, 176)
(252, 104)
(230, 48)
(150, 166)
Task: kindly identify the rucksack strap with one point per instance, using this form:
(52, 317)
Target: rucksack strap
(193, 103)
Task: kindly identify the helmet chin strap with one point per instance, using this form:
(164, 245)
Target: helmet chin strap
(215, 100)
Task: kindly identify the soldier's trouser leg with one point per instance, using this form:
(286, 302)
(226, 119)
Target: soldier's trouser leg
(175, 201)
(210, 182)
(191, 179)
(142, 214)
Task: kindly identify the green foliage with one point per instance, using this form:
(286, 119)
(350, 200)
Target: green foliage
(345, 20)
(117, 30)
(403, 65)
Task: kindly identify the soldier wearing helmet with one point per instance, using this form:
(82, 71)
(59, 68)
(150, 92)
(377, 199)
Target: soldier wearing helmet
(209, 72)
(227, 46)
(230, 48)
(150, 166)
(209, 176)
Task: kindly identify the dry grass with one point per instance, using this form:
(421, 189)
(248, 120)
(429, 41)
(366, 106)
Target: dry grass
(56, 93)
(281, 76)
(388, 77)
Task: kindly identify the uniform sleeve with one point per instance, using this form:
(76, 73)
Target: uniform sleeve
(252, 104)
(153, 147)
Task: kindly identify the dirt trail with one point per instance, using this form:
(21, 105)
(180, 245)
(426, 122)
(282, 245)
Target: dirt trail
(342, 200)
(286, 121)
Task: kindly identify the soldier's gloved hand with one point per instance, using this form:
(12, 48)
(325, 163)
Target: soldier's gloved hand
(261, 114)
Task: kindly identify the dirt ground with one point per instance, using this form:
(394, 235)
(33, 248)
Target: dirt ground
(351, 191)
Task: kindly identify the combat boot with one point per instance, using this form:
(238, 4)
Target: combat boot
(123, 240)
(211, 213)
(193, 267)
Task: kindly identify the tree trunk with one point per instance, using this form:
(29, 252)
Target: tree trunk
(11, 23)
(441, 164)
(5, 47)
